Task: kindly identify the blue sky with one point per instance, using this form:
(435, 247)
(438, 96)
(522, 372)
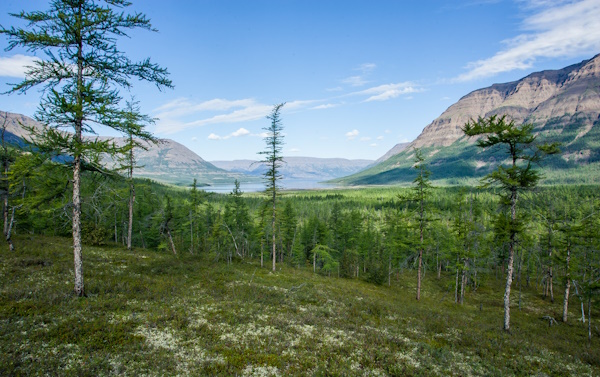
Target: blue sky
(357, 76)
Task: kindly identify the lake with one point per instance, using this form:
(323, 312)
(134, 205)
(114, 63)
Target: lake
(286, 184)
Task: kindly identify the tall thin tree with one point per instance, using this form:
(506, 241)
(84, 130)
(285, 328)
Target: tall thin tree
(421, 192)
(518, 177)
(80, 81)
(136, 137)
(273, 160)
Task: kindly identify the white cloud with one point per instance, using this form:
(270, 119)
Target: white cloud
(379, 137)
(366, 67)
(294, 150)
(388, 131)
(179, 114)
(388, 91)
(555, 29)
(16, 65)
(354, 81)
(373, 145)
(238, 133)
(324, 106)
(365, 138)
(352, 134)
(194, 138)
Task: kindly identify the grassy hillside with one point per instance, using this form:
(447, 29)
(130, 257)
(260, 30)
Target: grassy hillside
(463, 162)
(151, 313)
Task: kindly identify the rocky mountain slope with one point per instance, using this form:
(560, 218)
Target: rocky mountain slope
(167, 161)
(564, 106)
(300, 168)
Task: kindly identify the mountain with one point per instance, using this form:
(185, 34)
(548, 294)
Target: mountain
(563, 105)
(392, 152)
(167, 161)
(300, 168)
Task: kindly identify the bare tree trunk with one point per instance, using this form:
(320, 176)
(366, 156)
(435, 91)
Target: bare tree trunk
(273, 228)
(130, 224)
(420, 261)
(567, 288)
(77, 247)
(456, 283)
(171, 241)
(463, 282)
(11, 246)
(511, 258)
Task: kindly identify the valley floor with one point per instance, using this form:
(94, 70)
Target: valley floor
(155, 314)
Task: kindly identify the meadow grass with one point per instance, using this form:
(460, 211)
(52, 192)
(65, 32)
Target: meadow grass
(154, 314)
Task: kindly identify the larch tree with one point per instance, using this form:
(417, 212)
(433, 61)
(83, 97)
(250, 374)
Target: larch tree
(136, 137)
(80, 81)
(273, 161)
(420, 194)
(519, 143)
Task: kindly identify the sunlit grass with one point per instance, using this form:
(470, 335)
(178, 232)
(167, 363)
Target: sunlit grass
(148, 313)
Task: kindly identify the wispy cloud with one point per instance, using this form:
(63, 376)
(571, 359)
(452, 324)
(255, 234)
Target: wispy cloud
(560, 28)
(325, 106)
(16, 65)
(389, 91)
(366, 67)
(352, 134)
(238, 133)
(360, 80)
(181, 114)
(365, 138)
(354, 81)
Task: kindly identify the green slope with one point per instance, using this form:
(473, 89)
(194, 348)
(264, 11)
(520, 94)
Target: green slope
(464, 163)
(151, 313)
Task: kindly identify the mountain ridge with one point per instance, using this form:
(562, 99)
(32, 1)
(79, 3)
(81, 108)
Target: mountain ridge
(562, 104)
(300, 168)
(167, 161)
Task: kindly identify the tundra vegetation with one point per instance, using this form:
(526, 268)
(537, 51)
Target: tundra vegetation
(176, 283)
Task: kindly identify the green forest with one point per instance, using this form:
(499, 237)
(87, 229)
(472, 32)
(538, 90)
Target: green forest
(103, 273)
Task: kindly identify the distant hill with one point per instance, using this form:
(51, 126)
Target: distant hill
(564, 106)
(300, 168)
(168, 161)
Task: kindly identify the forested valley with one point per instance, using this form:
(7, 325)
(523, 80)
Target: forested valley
(103, 272)
(334, 247)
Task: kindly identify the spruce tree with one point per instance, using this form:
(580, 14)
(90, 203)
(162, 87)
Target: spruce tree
(80, 81)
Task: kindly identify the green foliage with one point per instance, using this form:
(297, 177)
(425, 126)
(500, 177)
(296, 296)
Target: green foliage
(153, 313)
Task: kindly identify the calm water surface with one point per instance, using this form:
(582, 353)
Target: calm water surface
(289, 184)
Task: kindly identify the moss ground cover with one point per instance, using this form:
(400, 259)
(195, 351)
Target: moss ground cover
(151, 313)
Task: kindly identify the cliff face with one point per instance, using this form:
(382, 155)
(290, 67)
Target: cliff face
(563, 105)
(538, 98)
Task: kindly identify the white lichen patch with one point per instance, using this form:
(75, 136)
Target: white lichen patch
(260, 371)
(158, 338)
(409, 358)
(249, 332)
